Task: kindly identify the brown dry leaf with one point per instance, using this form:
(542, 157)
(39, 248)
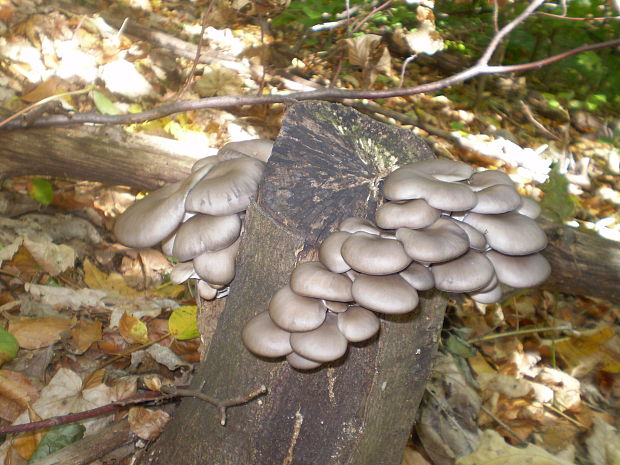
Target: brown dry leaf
(34, 333)
(592, 349)
(493, 450)
(124, 388)
(113, 282)
(17, 387)
(85, 333)
(64, 297)
(604, 443)
(94, 379)
(27, 443)
(46, 89)
(369, 53)
(133, 330)
(219, 81)
(146, 423)
(53, 258)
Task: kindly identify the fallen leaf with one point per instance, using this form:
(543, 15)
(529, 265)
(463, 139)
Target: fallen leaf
(604, 443)
(182, 323)
(493, 450)
(34, 333)
(8, 346)
(146, 423)
(133, 330)
(63, 297)
(590, 350)
(57, 438)
(53, 258)
(113, 282)
(85, 333)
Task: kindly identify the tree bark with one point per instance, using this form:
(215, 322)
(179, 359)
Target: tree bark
(583, 263)
(327, 164)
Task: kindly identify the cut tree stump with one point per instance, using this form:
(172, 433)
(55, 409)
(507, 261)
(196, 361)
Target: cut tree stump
(327, 164)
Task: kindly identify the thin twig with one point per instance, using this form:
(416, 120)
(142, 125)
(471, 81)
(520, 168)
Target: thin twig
(537, 124)
(132, 350)
(150, 396)
(203, 26)
(573, 18)
(490, 337)
(360, 22)
(557, 411)
(503, 425)
(408, 60)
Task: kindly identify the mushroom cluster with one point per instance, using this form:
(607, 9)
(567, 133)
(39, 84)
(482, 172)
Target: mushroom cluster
(198, 221)
(442, 226)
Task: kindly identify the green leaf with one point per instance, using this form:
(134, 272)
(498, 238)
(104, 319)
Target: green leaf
(457, 345)
(557, 203)
(8, 346)
(104, 104)
(41, 191)
(182, 323)
(57, 438)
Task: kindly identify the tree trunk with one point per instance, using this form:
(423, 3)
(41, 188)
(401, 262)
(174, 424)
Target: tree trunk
(327, 164)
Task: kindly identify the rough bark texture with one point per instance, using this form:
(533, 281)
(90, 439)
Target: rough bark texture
(327, 164)
(108, 155)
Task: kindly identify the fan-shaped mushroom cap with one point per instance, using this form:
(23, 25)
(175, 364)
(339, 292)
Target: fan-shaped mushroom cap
(218, 268)
(207, 161)
(205, 233)
(476, 238)
(509, 233)
(301, 363)
(355, 224)
(491, 296)
(295, 313)
(529, 207)
(181, 272)
(385, 294)
(335, 307)
(167, 244)
(431, 180)
(467, 273)
(153, 218)
(419, 276)
(205, 291)
(487, 178)
(255, 148)
(412, 214)
(324, 344)
(329, 252)
(371, 254)
(358, 324)
(521, 271)
(312, 279)
(441, 241)
(499, 198)
(228, 188)
(262, 337)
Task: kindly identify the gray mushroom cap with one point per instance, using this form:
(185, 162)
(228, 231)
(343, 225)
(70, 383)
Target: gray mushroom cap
(509, 233)
(467, 273)
(218, 268)
(371, 254)
(228, 188)
(335, 307)
(153, 218)
(499, 198)
(181, 272)
(490, 296)
(312, 279)
(442, 241)
(262, 337)
(419, 276)
(205, 233)
(301, 363)
(413, 214)
(521, 271)
(207, 161)
(295, 313)
(487, 178)
(329, 252)
(529, 207)
(358, 324)
(477, 240)
(355, 224)
(205, 291)
(389, 294)
(255, 148)
(431, 180)
(324, 344)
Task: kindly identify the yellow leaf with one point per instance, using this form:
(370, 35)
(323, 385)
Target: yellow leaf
(182, 323)
(591, 349)
(133, 330)
(113, 282)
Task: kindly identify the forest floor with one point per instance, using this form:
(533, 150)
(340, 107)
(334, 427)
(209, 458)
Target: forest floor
(92, 318)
